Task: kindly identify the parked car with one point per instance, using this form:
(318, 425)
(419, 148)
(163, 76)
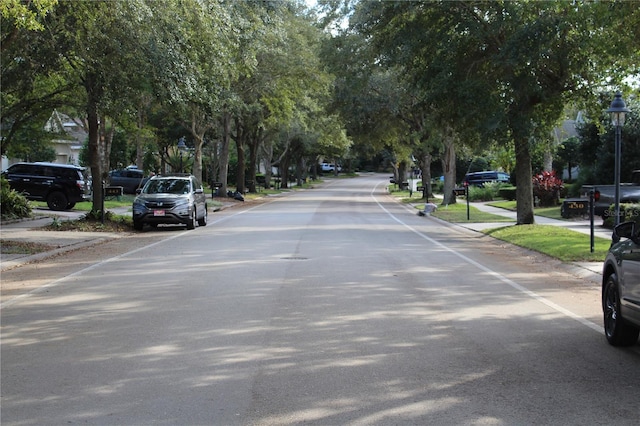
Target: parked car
(621, 286)
(60, 185)
(328, 167)
(129, 179)
(175, 199)
(605, 194)
(480, 178)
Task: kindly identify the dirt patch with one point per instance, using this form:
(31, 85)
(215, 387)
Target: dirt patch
(24, 247)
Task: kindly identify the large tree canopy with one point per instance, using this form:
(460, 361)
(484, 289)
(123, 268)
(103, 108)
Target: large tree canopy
(407, 80)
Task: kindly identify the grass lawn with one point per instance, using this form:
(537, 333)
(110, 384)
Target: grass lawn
(550, 212)
(457, 213)
(555, 241)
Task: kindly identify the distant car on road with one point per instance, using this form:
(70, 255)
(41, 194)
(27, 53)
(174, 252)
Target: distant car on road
(129, 179)
(621, 286)
(328, 167)
(174, 199)
(60, 185)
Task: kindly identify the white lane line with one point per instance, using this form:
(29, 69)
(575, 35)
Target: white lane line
(493, 273)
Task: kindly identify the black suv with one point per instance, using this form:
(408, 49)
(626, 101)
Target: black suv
(621, 286)
(175, 199)
(60, 185)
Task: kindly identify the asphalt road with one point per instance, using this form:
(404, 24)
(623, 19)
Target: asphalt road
(331, 306)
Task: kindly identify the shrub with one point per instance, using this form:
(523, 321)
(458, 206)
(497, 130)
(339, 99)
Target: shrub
(481, 193)
(507, 193)
(546, 189)
(12, 204)
(628, 212)
(487, 192)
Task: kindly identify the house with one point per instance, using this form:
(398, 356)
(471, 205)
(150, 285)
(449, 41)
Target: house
(70, 138)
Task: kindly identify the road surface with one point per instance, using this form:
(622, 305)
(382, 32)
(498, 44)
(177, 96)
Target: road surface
(330, 306)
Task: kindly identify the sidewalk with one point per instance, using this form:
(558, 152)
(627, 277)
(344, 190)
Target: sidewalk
(30, 231)
(579, 225)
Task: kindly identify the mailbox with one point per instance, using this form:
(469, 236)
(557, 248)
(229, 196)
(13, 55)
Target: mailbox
(113, 191)
(574, 207)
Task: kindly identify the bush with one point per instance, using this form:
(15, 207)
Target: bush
(12, 204)
(483, 193)
(507, 193)
(628, 212)
(487, 192)
(547, 188)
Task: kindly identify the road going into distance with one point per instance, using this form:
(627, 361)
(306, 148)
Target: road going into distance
(330, 306)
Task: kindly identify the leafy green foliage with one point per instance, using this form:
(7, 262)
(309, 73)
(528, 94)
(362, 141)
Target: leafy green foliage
(12, 204)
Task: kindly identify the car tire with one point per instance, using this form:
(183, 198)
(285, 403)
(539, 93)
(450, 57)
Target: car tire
(57, 201)
(618, 332)
(137, 225)
(70, 206)
(191, 224)
(203, 220)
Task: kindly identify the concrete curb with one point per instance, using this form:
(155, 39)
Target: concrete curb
(14, 263)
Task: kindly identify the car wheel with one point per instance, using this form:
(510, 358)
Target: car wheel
(203, 220)
(137, 225)
(191, 224)
(618, 333)
(57, 201)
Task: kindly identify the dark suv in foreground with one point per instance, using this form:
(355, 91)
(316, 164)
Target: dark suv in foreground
(60, 185)
(621, 286)
(171, 200)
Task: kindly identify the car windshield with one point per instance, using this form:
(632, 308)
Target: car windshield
(167, 186)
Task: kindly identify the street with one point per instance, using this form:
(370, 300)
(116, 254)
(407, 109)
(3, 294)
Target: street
(330, 306)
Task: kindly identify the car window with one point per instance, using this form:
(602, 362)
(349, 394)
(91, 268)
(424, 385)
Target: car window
(22, 169)
(167, 186)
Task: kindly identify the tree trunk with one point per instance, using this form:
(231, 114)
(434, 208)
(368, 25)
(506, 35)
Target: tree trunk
(240, 140)
(254, 142)
(426, 176)
(283, 168)
(524, 184)
(94, 156)
(449, 168)
(224, 151)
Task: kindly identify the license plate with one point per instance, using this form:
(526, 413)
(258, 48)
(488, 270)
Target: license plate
(158, 212)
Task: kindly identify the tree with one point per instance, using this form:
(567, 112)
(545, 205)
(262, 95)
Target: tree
(100, 43)
(500, 70)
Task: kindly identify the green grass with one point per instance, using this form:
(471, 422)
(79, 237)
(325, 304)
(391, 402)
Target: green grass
(550, 212)
(85, 206)
(555, 241)
(457, 213)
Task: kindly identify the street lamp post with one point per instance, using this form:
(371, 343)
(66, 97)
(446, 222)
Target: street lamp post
(618, 109)
(181, 147)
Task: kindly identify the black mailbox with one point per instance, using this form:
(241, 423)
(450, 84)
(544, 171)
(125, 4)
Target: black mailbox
(574, 207)
(113, 191)
(459, 192)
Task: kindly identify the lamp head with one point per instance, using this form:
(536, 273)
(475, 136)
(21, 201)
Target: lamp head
(618, 109)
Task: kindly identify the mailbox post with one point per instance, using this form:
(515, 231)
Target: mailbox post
(109, 191)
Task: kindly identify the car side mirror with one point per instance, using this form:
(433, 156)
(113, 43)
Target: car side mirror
(625, 230)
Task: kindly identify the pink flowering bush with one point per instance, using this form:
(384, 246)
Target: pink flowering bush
(546, 189)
